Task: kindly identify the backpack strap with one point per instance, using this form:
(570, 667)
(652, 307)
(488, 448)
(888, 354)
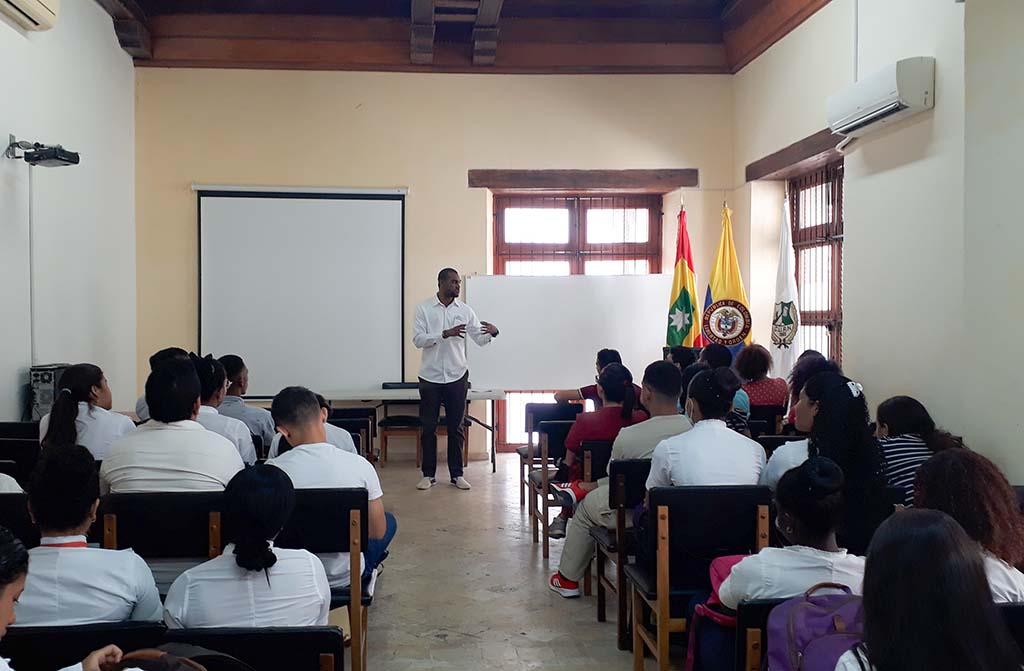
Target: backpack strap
(828, 585)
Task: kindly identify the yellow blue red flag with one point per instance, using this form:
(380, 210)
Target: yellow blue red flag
(726, 317)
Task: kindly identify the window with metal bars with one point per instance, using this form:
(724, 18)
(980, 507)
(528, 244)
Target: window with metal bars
(570, 234)
(816, 218)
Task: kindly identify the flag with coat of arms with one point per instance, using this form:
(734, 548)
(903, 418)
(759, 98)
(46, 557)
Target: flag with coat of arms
(786, 337)
(683, 314)
(726, 317)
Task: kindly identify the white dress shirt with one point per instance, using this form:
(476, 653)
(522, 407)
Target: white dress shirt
(785, 457)
(9, 485)
(336, 436)
(323, 466)
(142, 409)
(1006, 582)
(258, 420)
(444, 359)
(82, 585)
(708, 454)
(781, 573)
(177, 457)
(849, 662)
(220, 593)
(232, 429)
(97, 428)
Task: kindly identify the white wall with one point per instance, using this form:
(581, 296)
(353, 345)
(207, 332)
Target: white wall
(75, 86)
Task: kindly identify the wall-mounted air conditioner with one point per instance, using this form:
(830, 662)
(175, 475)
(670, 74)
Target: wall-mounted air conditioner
(903, 89)
(31, 14)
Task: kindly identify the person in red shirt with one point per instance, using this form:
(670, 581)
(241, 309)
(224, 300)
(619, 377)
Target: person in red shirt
(589, 392)
(753, 364)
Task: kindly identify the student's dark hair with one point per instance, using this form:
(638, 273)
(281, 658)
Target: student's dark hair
(753, 363)
(257, 503)
(211, 375)
(324, 403)
(13, 558)
(810, 353)
(927, 604)
(607, 356)
(664, 379)
(687, 377)
(617, 383)
(713, 391)
(172, 390)
(905, 415)
(813, 493)
(233, 366)
(972, 490)
(63, 487)
(166, 354)
(75, 386)
(445, 272)
(716, 356)
(807, 366)
(295, 406)
(682, 356)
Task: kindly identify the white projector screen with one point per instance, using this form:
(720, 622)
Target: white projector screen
(305, 287)
(552, 327)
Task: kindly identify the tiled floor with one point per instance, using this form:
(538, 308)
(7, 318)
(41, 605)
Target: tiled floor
(465, 588)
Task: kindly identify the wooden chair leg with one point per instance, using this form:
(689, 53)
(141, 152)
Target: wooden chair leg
(601, 591)
(533, 514)
(588, 586)
(383, 448)
(638, 642)
(355, 617)
(623, 605)
(522, 482)
(545, 522)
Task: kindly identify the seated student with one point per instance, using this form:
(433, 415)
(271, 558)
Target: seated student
(681, 357)
(172, 452)
(9, 485)
(927, 605)
(336, 435)
(71, 583)
(313, 463)
(659, 393)
(13, 574)
(909, 437)
(81, 412)
(590, 392)
(257, 419)
(753, 364)
(974, 492)
(141, 409)
(213, 385)
(253, 583)
(717, 356)
(808, 502)
(807, 365)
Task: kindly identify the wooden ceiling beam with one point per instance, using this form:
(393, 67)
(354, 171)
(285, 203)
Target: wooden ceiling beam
(485, 32)
(645, 181)
(803, 156)
(421, 34)
(131, 26)
(751, 27)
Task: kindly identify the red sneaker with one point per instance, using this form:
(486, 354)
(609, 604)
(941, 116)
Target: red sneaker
(573, 491)
(562, 586)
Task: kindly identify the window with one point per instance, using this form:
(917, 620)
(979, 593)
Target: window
(570, 235)
(816, 211)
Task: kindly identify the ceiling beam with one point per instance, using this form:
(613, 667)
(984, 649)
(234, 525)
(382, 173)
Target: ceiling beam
(751, 27)
(421, 37)
(485, 32)
(646, 181)
(131, 26)
(803, 156)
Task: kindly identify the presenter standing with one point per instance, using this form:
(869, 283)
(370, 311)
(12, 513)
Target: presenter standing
(440, 329)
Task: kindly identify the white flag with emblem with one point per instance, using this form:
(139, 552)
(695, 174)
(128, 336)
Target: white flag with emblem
(786, 345)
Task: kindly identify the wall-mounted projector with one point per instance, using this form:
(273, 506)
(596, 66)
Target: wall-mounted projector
(49, 156)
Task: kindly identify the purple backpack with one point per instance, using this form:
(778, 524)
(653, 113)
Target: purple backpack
(811, 633)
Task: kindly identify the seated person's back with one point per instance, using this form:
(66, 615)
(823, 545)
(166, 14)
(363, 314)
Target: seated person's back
(166, 354)
(213, 386)
(253, 584)
(590, 391)
(71, 583)
(81, 412)
(258, 420)
(172, 452)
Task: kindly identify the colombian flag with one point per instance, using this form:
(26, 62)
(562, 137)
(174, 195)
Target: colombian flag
(726, 315)
(683, 316)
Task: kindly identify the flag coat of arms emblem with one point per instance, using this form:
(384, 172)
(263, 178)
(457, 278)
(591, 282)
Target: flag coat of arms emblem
(726, 313)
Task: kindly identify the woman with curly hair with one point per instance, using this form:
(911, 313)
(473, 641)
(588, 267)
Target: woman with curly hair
(973, 491)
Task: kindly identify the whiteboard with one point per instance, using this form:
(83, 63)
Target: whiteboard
(306, 288)
(552, 327)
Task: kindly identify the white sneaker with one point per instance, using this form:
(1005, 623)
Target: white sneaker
(462, 483)
(426, 483)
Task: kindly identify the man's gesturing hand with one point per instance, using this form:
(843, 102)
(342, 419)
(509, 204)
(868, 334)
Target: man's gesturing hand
(458, 330)
(488, 327)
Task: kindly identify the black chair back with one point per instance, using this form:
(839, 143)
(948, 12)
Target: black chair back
(270, 648)
(257, 443)
(753, 616)
(357, 440)
(1013, 616)
(550, 412)
(19, 430)
(758, 427)
(627, 482)
(705, 523)
(49, 648)
(357, 426)
(320, 521)
(768, 413)
(600, 452)
(14, 515)
(163, 525)
(771, 443)
(556, 432)
(24, 452)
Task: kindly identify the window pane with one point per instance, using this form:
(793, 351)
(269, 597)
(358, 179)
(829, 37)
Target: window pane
(537, 268)
(515, 414)
(815, 279)
(608, 226)
(816, 338)
(617, 267)
(538, 225)
(815, 206)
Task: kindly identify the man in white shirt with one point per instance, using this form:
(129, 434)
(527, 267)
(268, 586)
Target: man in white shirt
(336, 435)
(71, 583)
(440, 329)
(213, 386)
(166, 354)
(258, 420)
(659, 393)
(172, 452)
(313, 464)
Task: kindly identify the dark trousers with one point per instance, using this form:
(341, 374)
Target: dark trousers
(453, 397)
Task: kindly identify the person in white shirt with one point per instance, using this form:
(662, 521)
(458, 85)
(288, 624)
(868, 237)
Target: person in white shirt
(315, 464)
(710, 453)
(13, 574)
(336, 435)
(253, 583)
(81, 412)
(257, 419)
(659, 393)
(972, 490)
(808, 502)
(71, 583)
(9, 485)
(172, 452)
(440, 329)
(927, 605)
(141, 407)
(213, 383)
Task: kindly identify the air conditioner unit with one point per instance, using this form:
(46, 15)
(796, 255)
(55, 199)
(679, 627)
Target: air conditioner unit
(903, 89)
(32, 14)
